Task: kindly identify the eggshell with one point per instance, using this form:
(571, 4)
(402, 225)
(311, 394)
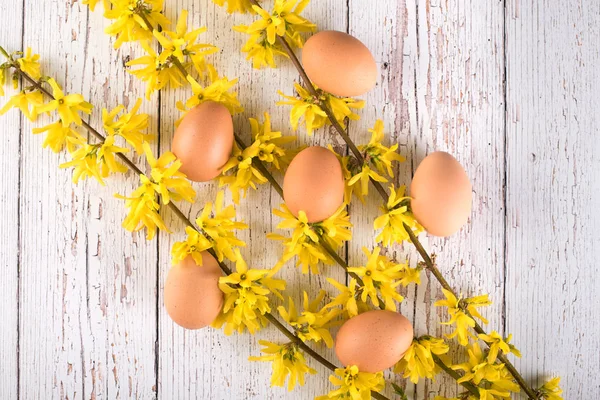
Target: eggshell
(192, 296)
(314, 184)
(374, 340)
(203, 141)
(441, 193)
(339, 64)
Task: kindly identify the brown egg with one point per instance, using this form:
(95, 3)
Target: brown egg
(203, 141)
(374, 340)
(441, 193)
(192, 296)
(314, 184)
(339, 64)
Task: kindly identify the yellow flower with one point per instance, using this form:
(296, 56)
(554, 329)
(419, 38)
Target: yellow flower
(220, 226)
(353, 384)
(28, 102)
(85, 163)
(259, 50)
(128, 23)
(284, 21)
(246, 300)
(239, 173)
(348, 299)
(167, 180)
(335, 230)
(498, 344)
(495, 377)
(143, 209)
(3, 74)
(217, 91)
(418, 360)
(68, 106)
(342, 107)
(394, 215)
(193, 246)
(380, 276)
(181, 44)
(462, 312)
(305, 238)
(29, 64)
(287, 360)
(92, 4)
(129, 126)
(241, 6)
(378, 155)
(106, 157)
(157, 75)
(308, 252)
(359, 183)
(58, 136)
(269, 142)
(313, 323)
(309, 107)
(551, 390)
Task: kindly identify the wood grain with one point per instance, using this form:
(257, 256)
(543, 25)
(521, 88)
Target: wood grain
(553, 187)
(460, 109)
(509, 88)
(10, 165)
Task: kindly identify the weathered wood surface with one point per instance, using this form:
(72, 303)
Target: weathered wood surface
(508, 87)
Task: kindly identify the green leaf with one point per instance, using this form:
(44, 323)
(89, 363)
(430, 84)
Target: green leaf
(399, 391)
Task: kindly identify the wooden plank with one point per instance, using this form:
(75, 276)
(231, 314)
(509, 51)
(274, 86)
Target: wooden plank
(53, 220)
(120, 333)
(552, 188)
(459, 83)
(88, 310)
(206, 363)
(388, 30)
(10, 157)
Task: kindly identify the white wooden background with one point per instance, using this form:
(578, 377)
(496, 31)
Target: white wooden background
(510, 87)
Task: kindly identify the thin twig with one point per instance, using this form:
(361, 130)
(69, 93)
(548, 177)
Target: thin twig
(177, 211)
(431, 266)
(384, 195)
(455, 375)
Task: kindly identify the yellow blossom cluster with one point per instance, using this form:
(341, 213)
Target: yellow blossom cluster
(97, 160)
(418, 361)
(216, 227)
(131, 18)
(353, 384)
(165, 183)
(491, 379)
(381, 277)
(307, 239)
(217, 90)
(377, 164)
(283, 21)
(313, 323)
(288, 363)
(308, 108)
(233, 6)
(246, 297)
(462, 313)
(394, 214)
(551, 390)
(144, 21)
(240, 172)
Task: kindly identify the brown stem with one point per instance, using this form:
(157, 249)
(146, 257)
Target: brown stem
(333, 254)
(431, 266)
(456, 376)
(177, 211)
